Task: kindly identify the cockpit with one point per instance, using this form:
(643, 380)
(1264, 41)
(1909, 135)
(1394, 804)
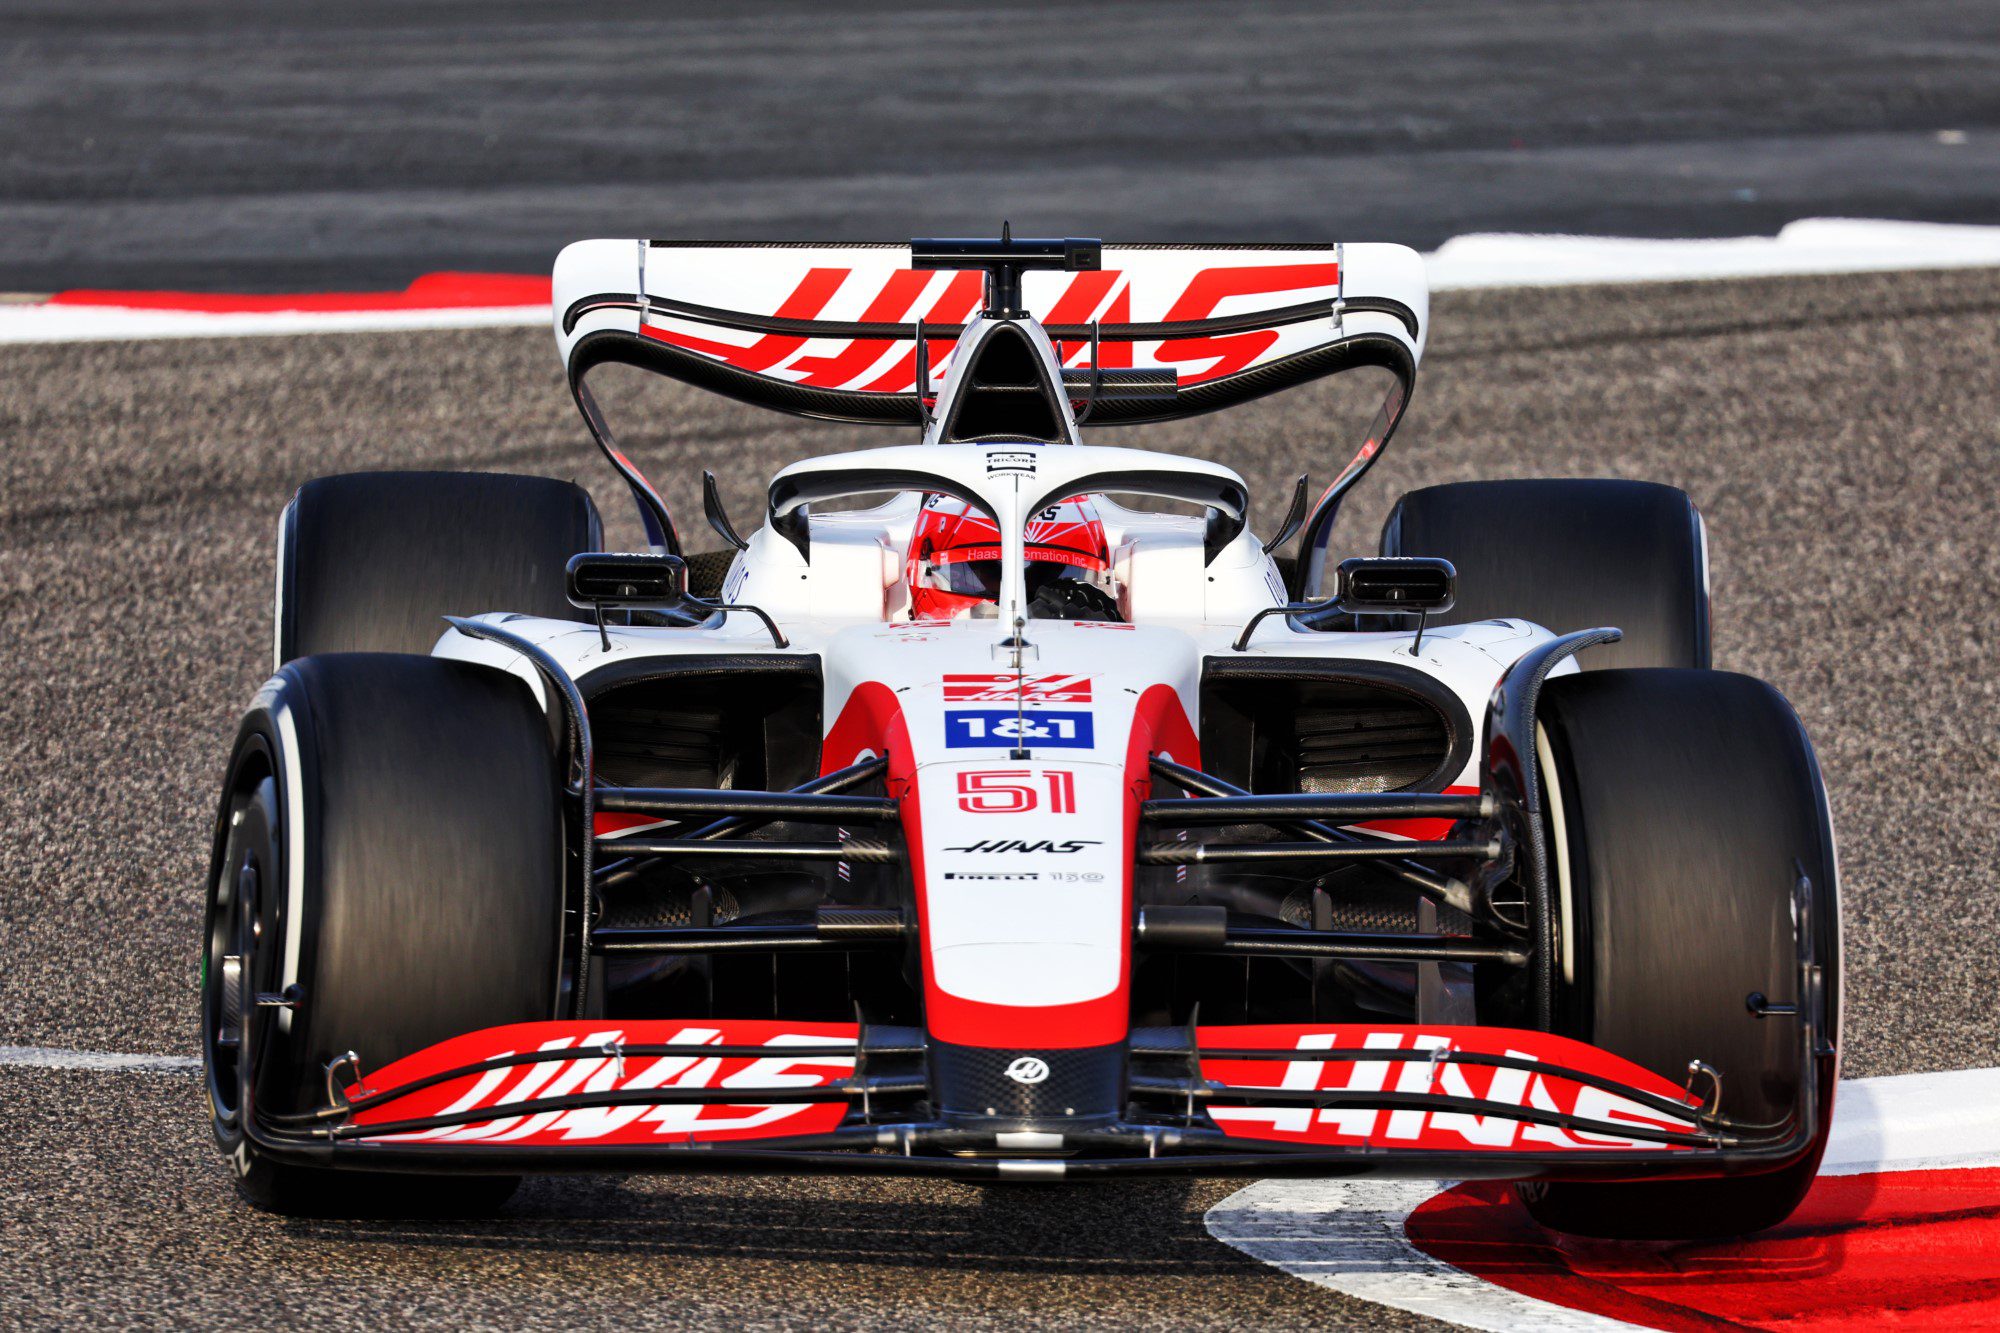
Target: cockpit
(954, 564)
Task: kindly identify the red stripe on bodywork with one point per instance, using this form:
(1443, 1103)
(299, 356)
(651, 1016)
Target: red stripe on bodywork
(807, 300)
(1047, 1027)
(604, 823)
(872, 720)
(888, 307)
(961, 297)
(1159, 725)
(1079, 305)
(1210, 288)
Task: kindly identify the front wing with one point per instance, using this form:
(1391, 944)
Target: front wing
(783, 1096)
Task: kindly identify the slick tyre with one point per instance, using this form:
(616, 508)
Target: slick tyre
(1571, 555)
(1684, 809)
(372, 561)
(389, 842)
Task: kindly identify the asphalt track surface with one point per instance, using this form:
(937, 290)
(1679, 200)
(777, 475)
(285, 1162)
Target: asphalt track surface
(1841, 435)
(238, 145)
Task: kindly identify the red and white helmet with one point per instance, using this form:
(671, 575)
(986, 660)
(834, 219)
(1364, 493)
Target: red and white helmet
(954, 563)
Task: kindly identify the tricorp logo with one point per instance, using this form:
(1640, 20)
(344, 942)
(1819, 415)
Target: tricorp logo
(1010, 460)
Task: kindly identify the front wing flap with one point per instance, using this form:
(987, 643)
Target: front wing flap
(1403, 1087)
(638, 1082)
(1264, 1099)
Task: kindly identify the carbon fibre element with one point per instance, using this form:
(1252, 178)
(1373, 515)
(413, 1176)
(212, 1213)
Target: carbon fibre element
(903, 409)
(971, 1082)
(831, 328)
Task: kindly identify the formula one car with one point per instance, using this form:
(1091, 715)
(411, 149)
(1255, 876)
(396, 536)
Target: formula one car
(1002, 806)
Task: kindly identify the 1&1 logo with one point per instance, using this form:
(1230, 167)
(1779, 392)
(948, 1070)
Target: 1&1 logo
(984, 727)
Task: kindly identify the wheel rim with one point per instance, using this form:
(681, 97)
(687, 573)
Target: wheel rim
(233, 963)
(224, 974)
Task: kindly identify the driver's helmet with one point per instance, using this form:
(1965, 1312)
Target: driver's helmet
(954, 565)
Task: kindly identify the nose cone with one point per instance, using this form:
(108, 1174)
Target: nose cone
(1038, 1090)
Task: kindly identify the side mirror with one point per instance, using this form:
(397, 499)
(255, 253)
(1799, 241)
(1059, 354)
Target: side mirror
(1419, 585)
(601, 579)
(645, 580)
(1385, 584)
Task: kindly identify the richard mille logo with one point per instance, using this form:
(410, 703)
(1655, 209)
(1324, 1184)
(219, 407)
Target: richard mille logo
(1028, 1069)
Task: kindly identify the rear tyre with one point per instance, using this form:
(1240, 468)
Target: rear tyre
(1688, 803)
(1571, 555)
(371, 561)
(390, 840)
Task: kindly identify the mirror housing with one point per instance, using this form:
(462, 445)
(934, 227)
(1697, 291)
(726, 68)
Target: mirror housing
(1395, 585)
(645, 581)
(626, 579)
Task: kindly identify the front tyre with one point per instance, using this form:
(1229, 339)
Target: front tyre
(1684, 806)
(390, 841)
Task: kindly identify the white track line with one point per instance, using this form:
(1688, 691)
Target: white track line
(1348, 1235)
(32, 323)
(110, 1062)
(1915, 1122)
(1813, 245)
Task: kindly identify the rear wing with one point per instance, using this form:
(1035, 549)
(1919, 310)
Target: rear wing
(854, 333)
(831, 331)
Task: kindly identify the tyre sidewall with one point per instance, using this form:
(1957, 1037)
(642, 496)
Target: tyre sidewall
(282, 741)
(1728, 777)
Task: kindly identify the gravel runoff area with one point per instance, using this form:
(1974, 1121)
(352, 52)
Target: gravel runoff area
(1841, 435)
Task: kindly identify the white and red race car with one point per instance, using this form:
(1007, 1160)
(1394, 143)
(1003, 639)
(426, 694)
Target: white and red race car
(1004, 806)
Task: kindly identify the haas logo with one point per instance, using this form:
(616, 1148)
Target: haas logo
(1002, 845)
(1028, 1070)
(600, 1066)
(1447, 1128)
(880, 365)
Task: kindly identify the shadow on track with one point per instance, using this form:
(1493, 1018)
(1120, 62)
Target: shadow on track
(1103, 1229)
